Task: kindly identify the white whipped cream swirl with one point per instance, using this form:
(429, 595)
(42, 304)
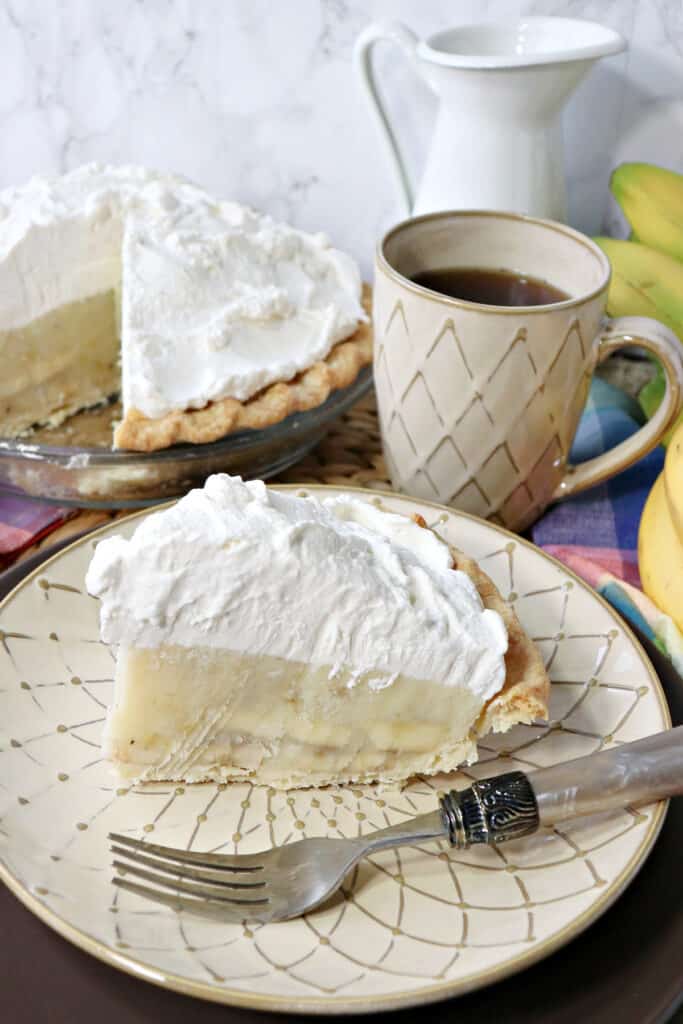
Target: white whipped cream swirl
(334, 583)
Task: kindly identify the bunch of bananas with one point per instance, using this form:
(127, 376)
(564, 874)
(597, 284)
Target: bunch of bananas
(660, 537)
(647, 270)
(647, 280)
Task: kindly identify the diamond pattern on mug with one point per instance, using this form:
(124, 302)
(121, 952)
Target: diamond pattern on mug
(446, 374)
(567, 364)
(381, 371)
(472, 434)
(397, 339)
(420, 415)
(513, 366)
(402, 448)
(499, 472)
(470, 498)
(421, 485)
(515, 507)
(501, 380)
(532, 422)
(445, 465)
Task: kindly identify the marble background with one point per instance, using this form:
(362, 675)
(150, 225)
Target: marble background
(256, 99)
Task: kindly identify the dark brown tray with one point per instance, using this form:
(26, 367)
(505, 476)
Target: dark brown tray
(627, 967)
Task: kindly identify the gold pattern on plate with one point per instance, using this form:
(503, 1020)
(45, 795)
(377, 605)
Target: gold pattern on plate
(412, 925)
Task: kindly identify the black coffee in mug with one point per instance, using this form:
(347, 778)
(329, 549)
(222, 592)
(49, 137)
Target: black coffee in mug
(490, 287)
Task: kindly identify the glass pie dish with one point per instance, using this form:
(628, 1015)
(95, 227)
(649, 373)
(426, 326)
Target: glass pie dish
(74, 464)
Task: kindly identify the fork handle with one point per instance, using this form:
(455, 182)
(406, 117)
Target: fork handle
(629, 774)
(515, 804)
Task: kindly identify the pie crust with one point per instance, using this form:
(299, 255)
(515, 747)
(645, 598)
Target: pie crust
(525, 693)
(307, 390)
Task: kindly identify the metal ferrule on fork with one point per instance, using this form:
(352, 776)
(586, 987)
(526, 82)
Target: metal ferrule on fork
(490, 811)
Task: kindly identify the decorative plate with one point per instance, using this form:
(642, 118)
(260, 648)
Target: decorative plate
(412, 925)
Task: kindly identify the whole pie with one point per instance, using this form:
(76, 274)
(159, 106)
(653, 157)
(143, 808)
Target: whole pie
(205, 316)
(294, 642)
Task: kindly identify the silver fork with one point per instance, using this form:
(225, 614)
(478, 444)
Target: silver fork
(290, 880)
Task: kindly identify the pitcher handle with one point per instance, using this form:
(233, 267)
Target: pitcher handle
(405, 38)
(639, 332)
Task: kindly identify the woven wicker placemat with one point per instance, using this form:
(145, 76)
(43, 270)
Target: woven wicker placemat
(350, 454)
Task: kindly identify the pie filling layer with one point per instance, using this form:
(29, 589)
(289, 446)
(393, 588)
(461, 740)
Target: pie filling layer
(64, 361)
(200, 713)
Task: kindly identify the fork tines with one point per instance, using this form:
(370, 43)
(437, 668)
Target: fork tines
(233, 888)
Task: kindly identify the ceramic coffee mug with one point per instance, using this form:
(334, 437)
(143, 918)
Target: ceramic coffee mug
(479, 404)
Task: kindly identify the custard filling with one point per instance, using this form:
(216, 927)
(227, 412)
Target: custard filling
(201, 713)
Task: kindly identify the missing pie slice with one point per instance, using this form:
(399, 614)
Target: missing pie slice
(295, 642)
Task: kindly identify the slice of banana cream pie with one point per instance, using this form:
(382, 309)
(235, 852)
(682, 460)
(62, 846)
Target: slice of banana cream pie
(298, 642)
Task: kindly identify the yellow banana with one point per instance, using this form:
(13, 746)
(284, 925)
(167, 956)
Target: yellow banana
(660, 537)
(673, 482)
(644, 283)
(652, 200)
(660, 555)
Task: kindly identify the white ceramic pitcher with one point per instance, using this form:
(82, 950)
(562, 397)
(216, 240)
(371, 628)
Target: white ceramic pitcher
(498, 138)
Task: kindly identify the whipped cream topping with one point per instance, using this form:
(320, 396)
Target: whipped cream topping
(216, 300)
(337, 583)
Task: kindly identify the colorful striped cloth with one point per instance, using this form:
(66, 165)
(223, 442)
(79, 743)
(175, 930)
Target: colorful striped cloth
(24, 522)
(596, 533)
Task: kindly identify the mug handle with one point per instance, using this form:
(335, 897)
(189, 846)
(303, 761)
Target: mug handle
(637, 332)
(405, 38)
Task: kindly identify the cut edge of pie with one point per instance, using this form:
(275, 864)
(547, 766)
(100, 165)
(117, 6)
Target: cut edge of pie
(309, 389)
(215, 746)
